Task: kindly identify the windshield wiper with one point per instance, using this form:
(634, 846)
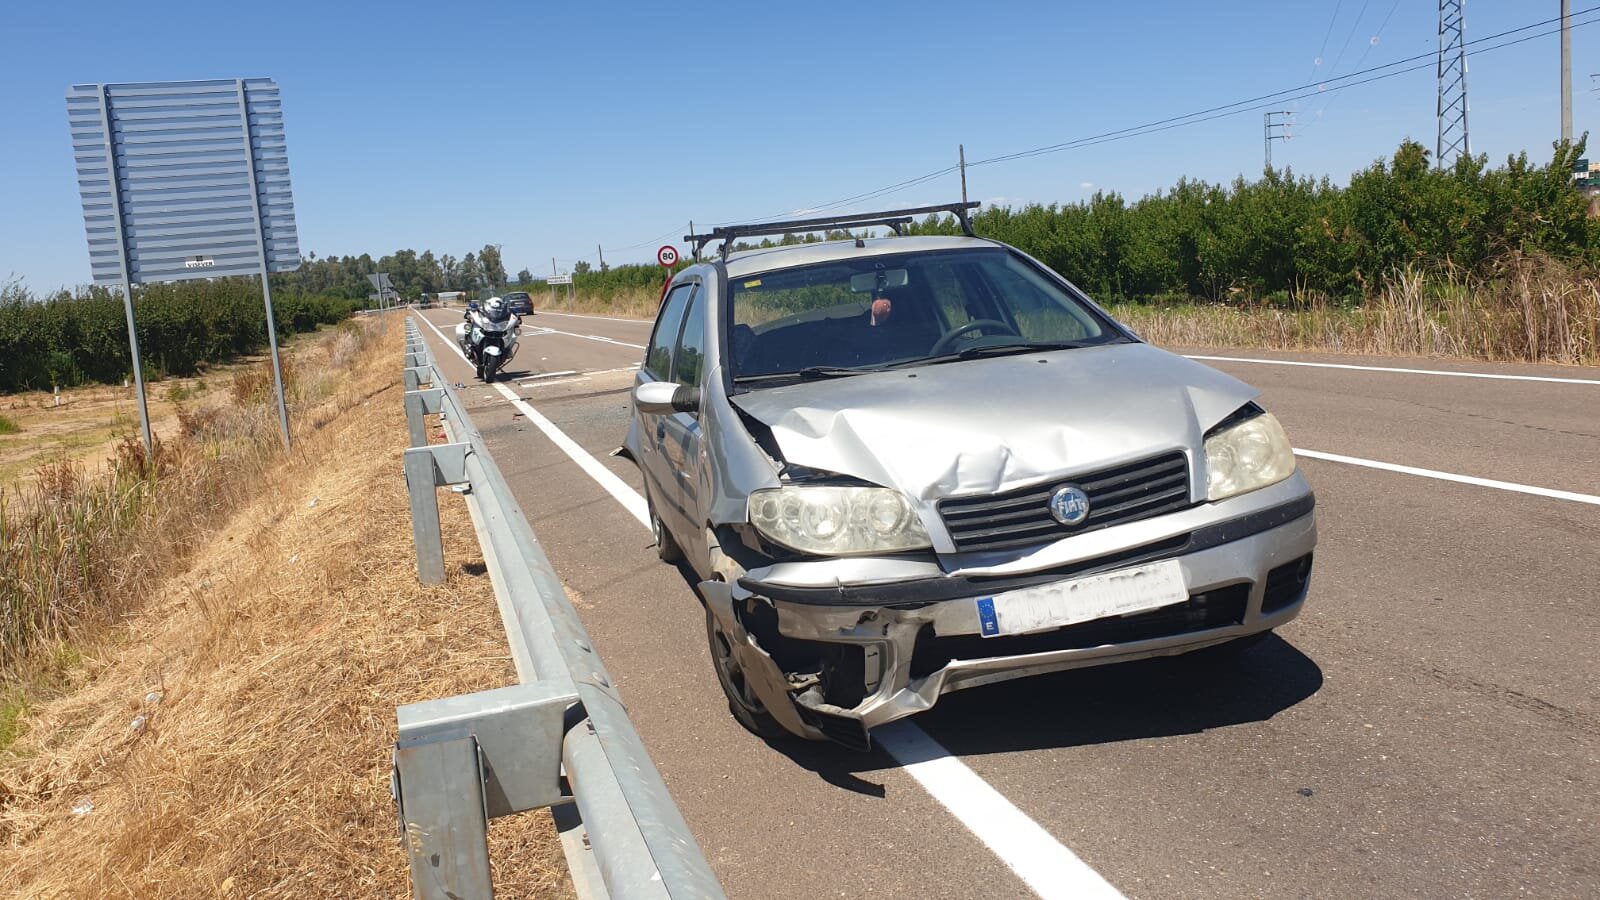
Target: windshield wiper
(813, 372)
(993, 350)
(1010, 349)
(810, 373)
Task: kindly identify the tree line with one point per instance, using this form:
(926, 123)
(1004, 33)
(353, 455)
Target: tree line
(1281, 236)
(1277, 238)
(413, 273)
(75, 337)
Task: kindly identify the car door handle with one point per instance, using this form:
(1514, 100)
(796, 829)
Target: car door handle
(661, 429)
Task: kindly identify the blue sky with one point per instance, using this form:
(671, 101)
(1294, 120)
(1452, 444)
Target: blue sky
(552, 128)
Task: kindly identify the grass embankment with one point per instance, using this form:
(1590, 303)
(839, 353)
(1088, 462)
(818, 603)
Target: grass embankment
(206, 706)
(1532, 313)
(1533, 310)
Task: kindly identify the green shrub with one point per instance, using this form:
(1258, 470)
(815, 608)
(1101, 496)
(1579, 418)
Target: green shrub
(8, 426)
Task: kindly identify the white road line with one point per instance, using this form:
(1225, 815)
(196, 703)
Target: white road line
(1451, 476)
(1042, 862)
(548, 375)
(1047, 866)
(627, 496)
(602, 318)
(536, 330)
(1320, 365)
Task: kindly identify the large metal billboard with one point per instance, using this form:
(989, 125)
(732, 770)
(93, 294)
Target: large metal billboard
(167, 168)
(184, 179)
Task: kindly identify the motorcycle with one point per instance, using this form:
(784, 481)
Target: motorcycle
(488, 337)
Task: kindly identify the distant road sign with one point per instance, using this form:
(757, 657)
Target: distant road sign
(667, 256)
(189, 178)
(558, 279)
(381, 281)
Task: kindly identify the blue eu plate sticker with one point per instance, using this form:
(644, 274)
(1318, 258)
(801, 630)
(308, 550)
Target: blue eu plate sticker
(988, 622)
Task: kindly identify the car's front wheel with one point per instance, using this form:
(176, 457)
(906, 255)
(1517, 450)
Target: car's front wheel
(666, 547)
(742, 699)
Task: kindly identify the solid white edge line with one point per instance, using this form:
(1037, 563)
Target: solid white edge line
(1451, 476)
(1047, 866)
(1322, 365)
(616, 487)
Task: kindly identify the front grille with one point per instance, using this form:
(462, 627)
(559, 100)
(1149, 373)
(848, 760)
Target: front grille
(1211, 609)
(1021, 518)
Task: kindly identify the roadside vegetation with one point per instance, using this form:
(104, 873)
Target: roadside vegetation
(203, 649)
(1476, 261)
(74, 338)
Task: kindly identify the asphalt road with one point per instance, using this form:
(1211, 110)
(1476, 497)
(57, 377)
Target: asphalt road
(1430, 725)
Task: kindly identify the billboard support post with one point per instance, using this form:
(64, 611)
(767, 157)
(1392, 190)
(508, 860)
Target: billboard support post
(266, 285)
(127, 282)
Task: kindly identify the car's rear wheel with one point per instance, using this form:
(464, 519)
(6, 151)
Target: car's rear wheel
(742, 700)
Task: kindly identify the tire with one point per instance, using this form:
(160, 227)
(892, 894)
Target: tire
(742, 702)
(666, 545)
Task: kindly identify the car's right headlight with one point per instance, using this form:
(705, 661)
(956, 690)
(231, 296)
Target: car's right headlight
(837, 521)
(1248, 456)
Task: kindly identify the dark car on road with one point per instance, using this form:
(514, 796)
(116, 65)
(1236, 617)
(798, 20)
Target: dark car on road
(518, 302)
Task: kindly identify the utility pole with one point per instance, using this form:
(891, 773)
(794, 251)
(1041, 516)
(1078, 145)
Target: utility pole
(1282, 133)
(962, 149)
(1566, 70)
(1454, 140)
(600, 250)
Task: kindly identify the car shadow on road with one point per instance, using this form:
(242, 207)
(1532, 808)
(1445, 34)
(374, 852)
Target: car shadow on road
(1152, 698)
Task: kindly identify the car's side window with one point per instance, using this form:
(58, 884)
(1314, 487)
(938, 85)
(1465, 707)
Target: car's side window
(658, 358)
(688, 363)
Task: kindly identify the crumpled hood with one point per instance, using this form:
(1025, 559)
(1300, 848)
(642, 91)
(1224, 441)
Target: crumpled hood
(989, 425)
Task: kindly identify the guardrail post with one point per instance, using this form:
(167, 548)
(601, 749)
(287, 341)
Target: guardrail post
(439, 786)
(417, 376)
(423, 488)
(461, 761)
(418, 405)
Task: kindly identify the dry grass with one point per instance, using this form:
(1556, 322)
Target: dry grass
(639, 303)
(1534, 310)
(232, 735)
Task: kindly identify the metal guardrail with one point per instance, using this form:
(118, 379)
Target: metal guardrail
(560, 739)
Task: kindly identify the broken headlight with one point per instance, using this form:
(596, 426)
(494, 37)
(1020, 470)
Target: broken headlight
(1247, 456)
(833, 520)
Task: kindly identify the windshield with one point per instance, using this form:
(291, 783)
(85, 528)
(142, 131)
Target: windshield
(872, 312)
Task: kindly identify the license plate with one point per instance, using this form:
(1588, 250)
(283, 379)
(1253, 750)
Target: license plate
(1118, 593)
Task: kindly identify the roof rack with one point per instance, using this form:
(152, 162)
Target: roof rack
(896, 219)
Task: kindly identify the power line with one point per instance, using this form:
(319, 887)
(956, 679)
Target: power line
(1169, 124)
(1322, 51)
(1252, 104)
(1277, 97)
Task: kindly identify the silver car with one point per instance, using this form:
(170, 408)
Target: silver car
(904, 466)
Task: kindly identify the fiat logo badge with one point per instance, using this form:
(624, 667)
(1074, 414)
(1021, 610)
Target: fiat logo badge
(1069, 505)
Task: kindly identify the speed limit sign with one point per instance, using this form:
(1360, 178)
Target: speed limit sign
(667, 255)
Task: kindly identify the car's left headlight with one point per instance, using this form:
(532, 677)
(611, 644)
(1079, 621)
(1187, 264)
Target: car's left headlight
(1247, 456)
(836, 521)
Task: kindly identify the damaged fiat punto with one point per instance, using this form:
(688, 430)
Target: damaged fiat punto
(906, 465)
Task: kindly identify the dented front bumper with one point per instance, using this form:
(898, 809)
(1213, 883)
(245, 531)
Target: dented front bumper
(836, 660)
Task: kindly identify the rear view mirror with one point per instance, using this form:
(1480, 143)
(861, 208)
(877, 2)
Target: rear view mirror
(665, 398)
(877, 281)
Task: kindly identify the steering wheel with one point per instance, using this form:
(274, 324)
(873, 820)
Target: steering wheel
(943, 343)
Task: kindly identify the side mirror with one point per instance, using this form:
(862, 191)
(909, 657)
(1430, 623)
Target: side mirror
(665, 397)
